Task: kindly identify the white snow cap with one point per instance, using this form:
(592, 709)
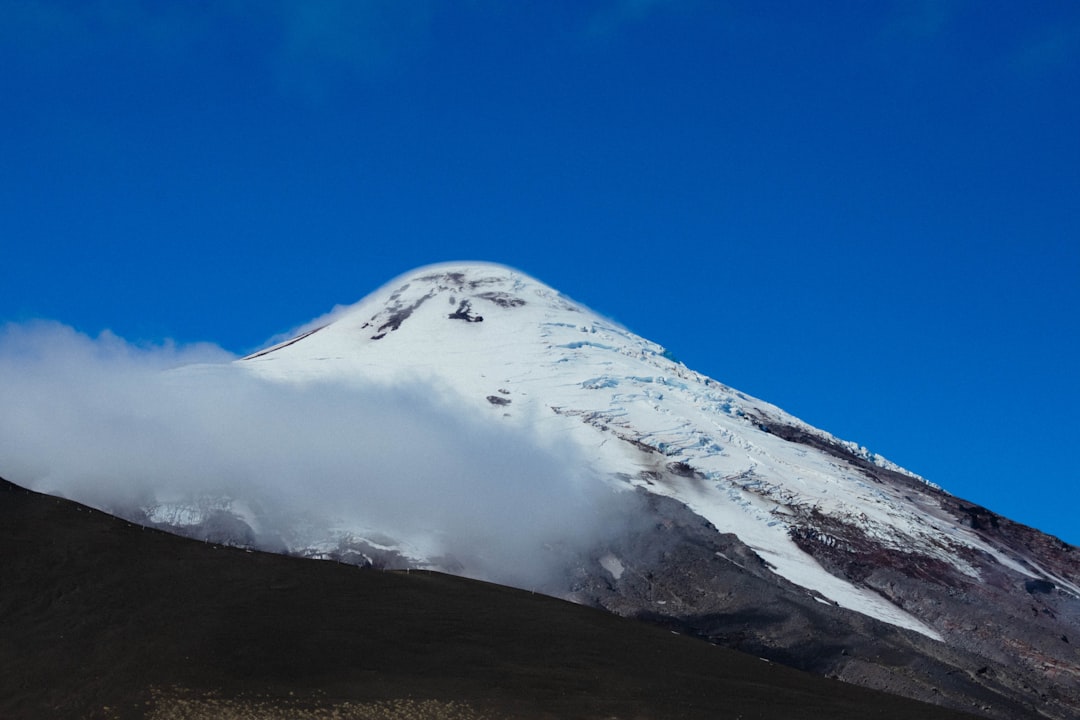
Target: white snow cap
(465, 416)
(508, 345)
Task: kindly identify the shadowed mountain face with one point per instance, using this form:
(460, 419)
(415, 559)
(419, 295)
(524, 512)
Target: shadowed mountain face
(691, 578)
(102, 618)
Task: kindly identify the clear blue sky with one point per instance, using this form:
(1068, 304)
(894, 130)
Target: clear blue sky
(867, 213)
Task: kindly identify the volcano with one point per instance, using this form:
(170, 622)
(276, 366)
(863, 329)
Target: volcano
(716, 514)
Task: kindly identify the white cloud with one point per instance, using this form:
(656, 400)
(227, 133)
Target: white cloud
(114, 425)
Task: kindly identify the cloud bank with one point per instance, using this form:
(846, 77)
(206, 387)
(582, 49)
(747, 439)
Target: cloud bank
(126, 428)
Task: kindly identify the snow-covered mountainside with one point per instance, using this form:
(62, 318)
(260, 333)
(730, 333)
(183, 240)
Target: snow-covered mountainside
(752, 508)
(514, 347)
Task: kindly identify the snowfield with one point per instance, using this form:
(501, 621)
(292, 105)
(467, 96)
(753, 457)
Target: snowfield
(507, 345)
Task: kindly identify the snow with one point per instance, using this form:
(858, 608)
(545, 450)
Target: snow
(613, 565)
(612, 397)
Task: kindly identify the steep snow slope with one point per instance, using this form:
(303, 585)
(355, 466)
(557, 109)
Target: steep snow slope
(510, 346)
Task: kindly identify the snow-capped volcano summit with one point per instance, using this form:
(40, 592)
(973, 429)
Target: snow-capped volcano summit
(774, 498)
(654, 491)
(512, 346)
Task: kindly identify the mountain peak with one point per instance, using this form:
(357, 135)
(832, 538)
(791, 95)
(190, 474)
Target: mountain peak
(507, 344)
(468, 289)
(466, 417)
(455, 291)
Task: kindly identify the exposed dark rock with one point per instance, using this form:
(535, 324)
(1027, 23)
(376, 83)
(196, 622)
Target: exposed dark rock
(100, 618)
(845, 550)
(990, 616)
(682, 470)
(287, 343)
(839, 451)
(496, 400)
(504, 300)
(1039, 586)
(464, 312)
(456, 280)
(684, 574)
(395, 314)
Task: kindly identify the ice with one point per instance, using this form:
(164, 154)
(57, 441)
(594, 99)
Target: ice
(613, 565)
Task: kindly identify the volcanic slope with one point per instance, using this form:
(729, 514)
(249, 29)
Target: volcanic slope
(103, 618)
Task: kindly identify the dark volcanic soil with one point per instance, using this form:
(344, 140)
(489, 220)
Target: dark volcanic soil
(101, 618)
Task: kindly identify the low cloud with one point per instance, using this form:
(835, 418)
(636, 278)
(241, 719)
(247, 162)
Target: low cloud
(123, 427)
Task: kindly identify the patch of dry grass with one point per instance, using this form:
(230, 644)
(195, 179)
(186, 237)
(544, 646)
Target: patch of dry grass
(182, 705)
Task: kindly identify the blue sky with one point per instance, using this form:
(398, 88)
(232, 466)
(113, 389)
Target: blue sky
(865, 213)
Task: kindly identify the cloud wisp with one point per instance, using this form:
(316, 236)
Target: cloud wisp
(122, 427)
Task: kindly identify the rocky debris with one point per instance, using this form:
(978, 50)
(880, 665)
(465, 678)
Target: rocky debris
(683, 573)
(839, 450)
(457, 280)
(464, 312)
(396, 314)
(502, 299)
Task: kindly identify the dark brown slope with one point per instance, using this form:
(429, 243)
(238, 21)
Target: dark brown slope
(101, 618)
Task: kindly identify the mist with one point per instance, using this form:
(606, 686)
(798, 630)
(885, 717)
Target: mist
(124, 427)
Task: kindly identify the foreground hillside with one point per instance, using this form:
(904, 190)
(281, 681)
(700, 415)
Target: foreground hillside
(102, 618)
